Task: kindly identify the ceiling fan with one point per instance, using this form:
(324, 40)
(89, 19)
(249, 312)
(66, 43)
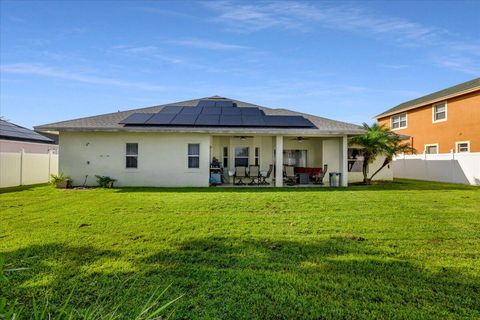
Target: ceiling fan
(243, 137)
(300, 139)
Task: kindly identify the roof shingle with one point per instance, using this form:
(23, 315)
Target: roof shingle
(418, 102)
(12, 131)
(111, 121)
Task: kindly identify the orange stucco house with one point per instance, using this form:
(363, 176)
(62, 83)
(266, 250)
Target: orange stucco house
(441, 122)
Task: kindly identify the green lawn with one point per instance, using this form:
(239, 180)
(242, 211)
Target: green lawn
(406, 249)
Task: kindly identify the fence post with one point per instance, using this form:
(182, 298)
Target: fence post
(22, 154)
(49, 164)
(452, 166)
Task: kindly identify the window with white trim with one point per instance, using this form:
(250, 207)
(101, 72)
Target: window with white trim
(431, 148)
(131, 155)
(355, 159)
(241, 156)
(440, 112)
(194, 155)
(463, 146)
(399, 121)
(257, 156)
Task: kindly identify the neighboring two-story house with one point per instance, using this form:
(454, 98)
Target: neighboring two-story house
(441, 122)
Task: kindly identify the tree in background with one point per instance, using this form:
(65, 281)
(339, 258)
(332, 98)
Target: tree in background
(378, 140)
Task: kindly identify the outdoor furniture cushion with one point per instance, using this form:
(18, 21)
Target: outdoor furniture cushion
(311, 171)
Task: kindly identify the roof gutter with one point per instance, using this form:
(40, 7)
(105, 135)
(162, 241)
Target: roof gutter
(205, 131)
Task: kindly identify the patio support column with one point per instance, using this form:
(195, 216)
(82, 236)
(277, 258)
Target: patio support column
(279, 161)
(344, 161)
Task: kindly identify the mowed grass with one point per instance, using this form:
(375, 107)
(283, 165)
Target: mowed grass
(406, 249)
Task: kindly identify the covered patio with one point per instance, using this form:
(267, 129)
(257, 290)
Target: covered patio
(253, 160)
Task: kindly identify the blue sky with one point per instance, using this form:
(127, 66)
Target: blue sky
(343, 60)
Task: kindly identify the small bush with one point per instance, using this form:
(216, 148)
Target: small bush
(105, 181)
(56, 178)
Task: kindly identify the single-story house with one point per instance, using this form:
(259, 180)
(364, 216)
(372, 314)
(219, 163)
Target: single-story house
(15, 138)
(190, 142)
(26, 157)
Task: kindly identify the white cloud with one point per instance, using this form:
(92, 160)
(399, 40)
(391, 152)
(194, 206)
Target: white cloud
(207, 44)
(46, 71)
(148, 52)
(302, 16)
(394, 66)
(460, 63)
(463, 54)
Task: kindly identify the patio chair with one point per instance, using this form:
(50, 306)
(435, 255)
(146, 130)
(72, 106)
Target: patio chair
(264, 177)
(289, 175)
(318, 177)
(240, 174)
(254, 175)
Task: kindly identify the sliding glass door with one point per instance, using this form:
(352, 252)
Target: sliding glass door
(297, 158)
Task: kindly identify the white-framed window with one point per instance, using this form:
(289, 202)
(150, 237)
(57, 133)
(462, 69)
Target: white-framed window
(257, 156)
(399, 121)
(194, 155)
(439, 112)
(462, 146)
(241, 156)
(225, 157)
(355, 159)
(431, 148)
(131, 155)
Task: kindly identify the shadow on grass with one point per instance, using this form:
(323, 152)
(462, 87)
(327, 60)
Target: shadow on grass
(341, 277)
(398, 184)
(49, 273)
(22, 188)
(235, 278)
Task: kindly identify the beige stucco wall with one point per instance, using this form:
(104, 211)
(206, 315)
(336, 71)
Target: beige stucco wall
(312, 145)
(331, 149)
(267, 145)
(162, 158)
(331, 154)
(27, 147)
(385, 174)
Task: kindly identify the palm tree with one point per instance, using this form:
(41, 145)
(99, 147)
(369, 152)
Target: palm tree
(378, 140)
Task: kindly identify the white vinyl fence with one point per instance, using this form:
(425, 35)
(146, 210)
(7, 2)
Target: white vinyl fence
(20, 168)
(445, 167)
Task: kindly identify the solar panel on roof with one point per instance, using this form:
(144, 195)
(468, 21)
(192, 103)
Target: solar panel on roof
(287, 121)
(207, 120)
(20, 134)
(161, 119)
(226, 120)
(299, 121)
(184, 119)
(253, 121)
(223, 114)
(206, 103)
(137, 118)
(191, 110)
(171, 109)
(231, 111)
(224, 103)
(12, 131)
(274, 121)
(211, 110)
